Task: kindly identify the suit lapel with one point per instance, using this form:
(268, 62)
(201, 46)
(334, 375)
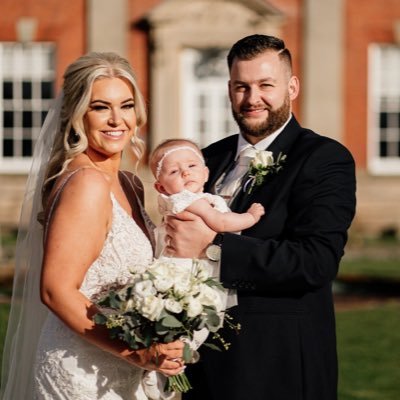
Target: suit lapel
(220, 162)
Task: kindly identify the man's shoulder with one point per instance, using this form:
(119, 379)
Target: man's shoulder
(312, 143)
(221, 145)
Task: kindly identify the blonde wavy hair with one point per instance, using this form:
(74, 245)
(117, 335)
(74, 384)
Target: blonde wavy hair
(71, 140)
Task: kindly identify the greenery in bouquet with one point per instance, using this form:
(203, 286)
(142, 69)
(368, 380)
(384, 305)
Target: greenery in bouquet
(165, 303)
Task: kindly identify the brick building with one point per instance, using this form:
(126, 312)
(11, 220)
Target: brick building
(346, 53)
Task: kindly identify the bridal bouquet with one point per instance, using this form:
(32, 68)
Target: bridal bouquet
(165, 303)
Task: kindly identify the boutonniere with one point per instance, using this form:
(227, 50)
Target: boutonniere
(260, 166)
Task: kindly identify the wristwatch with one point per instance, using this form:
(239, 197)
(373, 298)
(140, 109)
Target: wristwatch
(213, 251)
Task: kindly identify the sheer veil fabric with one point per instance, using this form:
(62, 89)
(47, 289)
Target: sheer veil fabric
(27, 313)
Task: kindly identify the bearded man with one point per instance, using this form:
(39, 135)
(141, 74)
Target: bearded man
(283, 267)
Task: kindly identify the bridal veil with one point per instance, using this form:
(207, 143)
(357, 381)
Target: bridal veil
(27, 313)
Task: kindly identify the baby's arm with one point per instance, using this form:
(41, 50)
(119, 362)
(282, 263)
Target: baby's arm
(228, 221)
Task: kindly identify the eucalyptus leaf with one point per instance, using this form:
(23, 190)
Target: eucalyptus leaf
(211, 346)
(171, 322)
(100, 319)
(187, 353)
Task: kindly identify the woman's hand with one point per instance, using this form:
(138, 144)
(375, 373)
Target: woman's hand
(166, 358)
(187, 236)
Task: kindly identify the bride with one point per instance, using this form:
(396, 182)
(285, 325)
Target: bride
(94, 229)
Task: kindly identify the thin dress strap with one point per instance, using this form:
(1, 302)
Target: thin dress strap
(147, 221)
(56, 197)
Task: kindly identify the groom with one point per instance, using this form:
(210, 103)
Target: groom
(283, 267)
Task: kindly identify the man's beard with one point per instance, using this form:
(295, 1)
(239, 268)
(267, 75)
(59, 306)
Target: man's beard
(275, 119)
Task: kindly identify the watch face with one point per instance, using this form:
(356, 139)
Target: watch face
(213, 252)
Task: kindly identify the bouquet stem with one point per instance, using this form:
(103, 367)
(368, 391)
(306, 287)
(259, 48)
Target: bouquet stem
(178, 383)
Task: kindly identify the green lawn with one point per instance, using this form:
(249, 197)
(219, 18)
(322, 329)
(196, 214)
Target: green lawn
(4, 309)
(369, 353)
(382, 269)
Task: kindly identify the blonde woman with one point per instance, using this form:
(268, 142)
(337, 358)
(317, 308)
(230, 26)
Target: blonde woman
(94, 230)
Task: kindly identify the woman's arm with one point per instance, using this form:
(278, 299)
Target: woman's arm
(75, 237)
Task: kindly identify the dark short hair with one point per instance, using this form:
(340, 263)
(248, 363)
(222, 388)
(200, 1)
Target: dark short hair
(251, 46)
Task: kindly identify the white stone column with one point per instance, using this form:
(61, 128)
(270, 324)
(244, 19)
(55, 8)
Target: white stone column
(322, 80)
(107, 23)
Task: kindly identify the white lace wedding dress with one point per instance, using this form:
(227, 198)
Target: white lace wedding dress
(68, 367)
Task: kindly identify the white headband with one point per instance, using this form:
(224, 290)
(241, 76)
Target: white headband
(168, 152)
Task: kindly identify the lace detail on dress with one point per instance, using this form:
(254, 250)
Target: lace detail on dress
(67, 366)
(176, 203)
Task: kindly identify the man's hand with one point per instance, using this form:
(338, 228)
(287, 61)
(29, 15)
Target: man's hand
(187, 236)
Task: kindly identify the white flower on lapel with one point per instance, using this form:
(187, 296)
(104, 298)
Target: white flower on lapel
(263, 158)
(260, 166)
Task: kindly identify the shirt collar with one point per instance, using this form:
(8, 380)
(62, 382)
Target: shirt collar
(262, 144)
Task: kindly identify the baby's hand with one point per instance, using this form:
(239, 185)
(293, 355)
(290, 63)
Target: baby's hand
(256, 210)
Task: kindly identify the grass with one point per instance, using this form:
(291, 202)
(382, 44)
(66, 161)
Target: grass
(369, 353)
(4, 309)
(369, 268)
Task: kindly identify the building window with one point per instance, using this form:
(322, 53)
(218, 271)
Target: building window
(205, 108)
(27, 76)
(384, 110)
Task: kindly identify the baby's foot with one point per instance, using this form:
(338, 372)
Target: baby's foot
(256, 210)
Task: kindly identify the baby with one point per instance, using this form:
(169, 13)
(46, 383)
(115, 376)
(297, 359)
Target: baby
(180, 172)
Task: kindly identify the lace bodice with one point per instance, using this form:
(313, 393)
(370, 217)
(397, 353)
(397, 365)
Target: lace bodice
(126, 248)
(67, 366)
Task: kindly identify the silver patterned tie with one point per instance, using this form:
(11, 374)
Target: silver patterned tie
(230, 185)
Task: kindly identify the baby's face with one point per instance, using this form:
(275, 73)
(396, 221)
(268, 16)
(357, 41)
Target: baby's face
(182, 169)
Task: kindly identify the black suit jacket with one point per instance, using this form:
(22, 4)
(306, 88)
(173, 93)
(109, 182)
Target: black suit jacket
(283, 268)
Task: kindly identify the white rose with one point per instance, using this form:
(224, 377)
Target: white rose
(181, 288)
(160, 268)
(137, 269)
(173, 306)
(210, 297)
(163, 283)
(151, 307)
(194, 307)
(203, 273)
(263, 157)
(144, 289)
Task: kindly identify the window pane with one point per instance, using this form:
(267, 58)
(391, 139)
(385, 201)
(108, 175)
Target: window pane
(7, 90)
(47, 90)
(383, 117)
(27, 147)
(44, 113)
(8, 119)
(27, 119)
(8, 150)
(383, 149)
(26, 90)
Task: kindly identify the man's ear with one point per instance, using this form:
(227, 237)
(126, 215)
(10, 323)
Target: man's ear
(159, 188)
(293, 87)
(229, 91)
